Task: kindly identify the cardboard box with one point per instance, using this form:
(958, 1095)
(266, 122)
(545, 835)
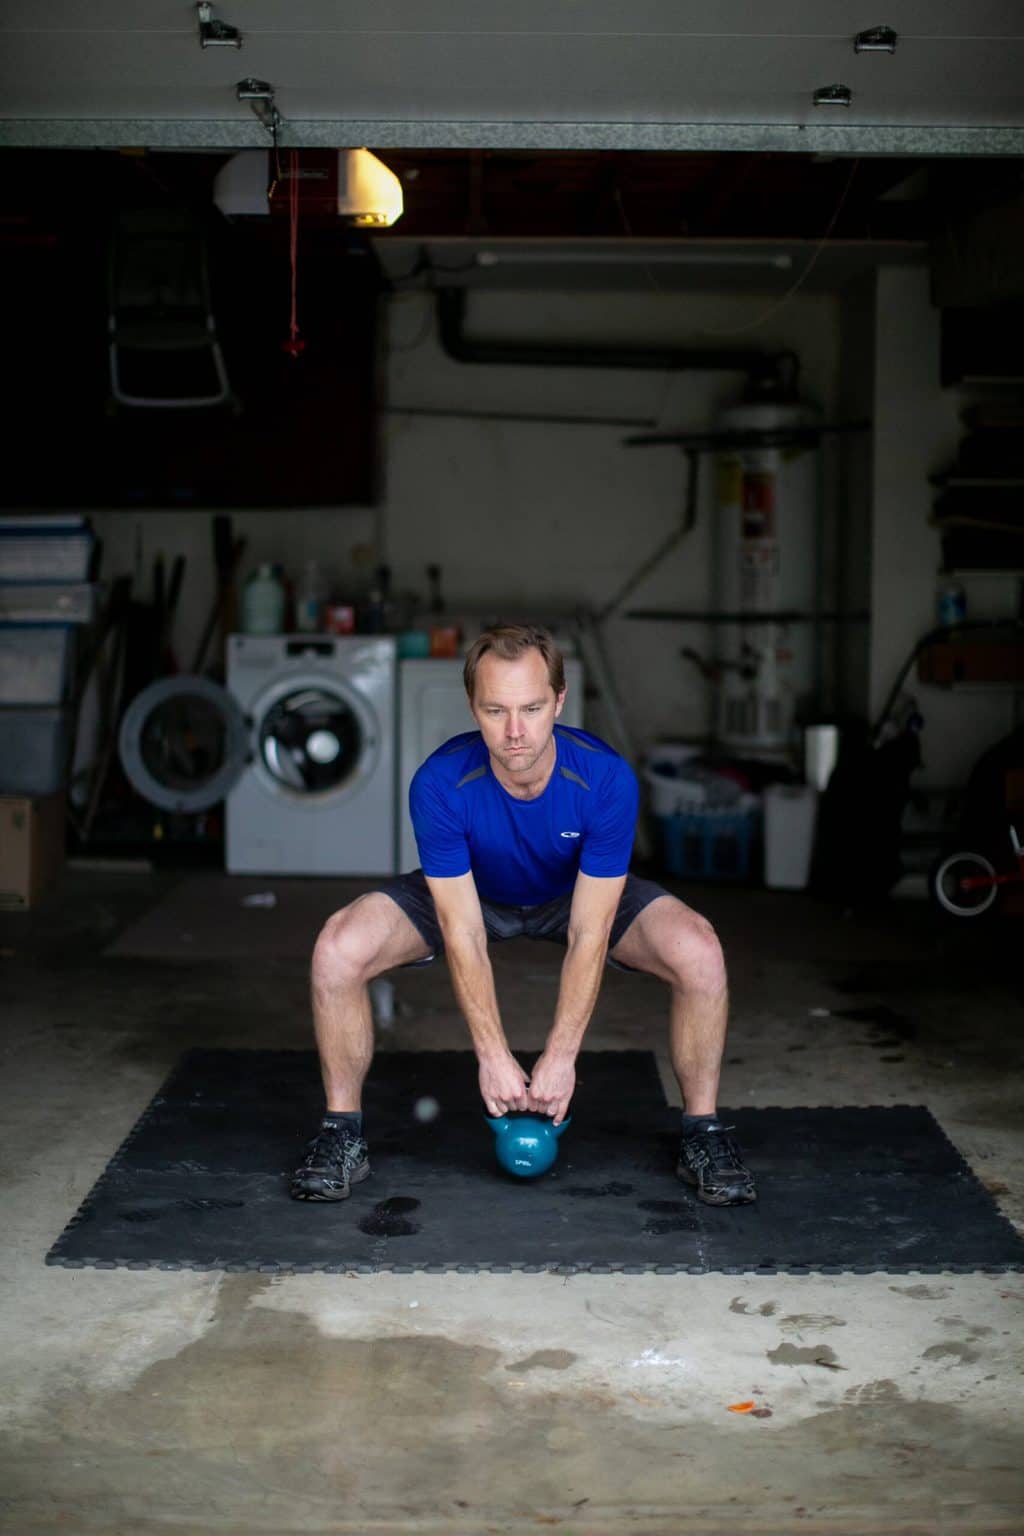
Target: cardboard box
(31, 847)
(947, 662)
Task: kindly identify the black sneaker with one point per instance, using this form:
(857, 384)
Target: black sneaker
(709, 1160)
(335, 1159)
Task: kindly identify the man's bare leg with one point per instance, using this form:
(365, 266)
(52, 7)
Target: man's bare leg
(357, 944)
(669, 940)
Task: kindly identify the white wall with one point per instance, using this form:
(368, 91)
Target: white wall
(530, 519)
(538, 518)
(917, 429)
(533, 519)
(342, 538)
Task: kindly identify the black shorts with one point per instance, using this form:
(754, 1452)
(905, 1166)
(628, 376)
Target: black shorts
(548, 921)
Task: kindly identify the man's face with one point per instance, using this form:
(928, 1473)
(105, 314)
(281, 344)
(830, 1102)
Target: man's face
(515, 707)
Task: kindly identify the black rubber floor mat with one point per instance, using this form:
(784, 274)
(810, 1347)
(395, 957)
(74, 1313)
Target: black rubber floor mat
(201, 1182)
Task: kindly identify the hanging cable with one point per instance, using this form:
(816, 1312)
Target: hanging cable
(294, 345)
(275, 161)
(750, 325)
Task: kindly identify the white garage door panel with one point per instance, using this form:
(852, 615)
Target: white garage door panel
(658, 74)
(633, 75)
(782, 18)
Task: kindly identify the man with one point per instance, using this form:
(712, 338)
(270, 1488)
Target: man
(524, 828)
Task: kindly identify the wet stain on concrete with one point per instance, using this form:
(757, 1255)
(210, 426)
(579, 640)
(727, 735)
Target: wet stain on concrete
(973, 1330)
(921, 1292)
(811, 1354)
(796, 1322)
(892, 1027)
(961, 1353)
(663, 1207)
(884, 1390)
(545, 1360)
(268, 1423)
(766, 1309)
(388, 1218)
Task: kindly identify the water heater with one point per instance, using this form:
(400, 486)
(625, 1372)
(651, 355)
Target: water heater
(766, 570)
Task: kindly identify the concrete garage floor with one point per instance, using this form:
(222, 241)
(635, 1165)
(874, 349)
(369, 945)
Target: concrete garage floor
(138, 1403)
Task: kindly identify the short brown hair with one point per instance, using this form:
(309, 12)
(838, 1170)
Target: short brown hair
(509, 642)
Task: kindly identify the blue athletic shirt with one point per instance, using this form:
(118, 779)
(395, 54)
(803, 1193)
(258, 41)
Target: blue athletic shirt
(524, 852)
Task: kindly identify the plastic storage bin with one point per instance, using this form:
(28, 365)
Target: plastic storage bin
(44, 549)
(49, 602)
(679, 781)
(710, 845)
(35, 663)
(33, 751)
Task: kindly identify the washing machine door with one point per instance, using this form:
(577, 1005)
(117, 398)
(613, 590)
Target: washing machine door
(310, 740)
(183, 743)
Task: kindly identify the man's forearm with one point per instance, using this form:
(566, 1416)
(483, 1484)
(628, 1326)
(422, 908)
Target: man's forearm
(582, 972)
(473, 982)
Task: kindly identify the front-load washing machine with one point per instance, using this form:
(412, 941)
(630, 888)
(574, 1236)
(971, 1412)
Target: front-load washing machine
(300, 746)
(317, 796)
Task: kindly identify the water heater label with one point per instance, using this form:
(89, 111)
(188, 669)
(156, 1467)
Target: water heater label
(759, 578)
(758, 505)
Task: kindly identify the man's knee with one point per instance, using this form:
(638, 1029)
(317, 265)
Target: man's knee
(696, 960)
(348, 945)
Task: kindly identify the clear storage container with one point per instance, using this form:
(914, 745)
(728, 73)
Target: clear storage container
(47, 602)
(44, 549)
(33, 751)
(716, 845)
(35, 663)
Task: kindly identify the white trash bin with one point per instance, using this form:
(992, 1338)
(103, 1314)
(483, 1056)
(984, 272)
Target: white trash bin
(790, 813)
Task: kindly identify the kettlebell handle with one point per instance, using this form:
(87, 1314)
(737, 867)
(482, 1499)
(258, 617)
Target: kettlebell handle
(502, 1125)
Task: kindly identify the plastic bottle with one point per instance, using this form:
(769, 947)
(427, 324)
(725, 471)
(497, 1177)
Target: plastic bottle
(263, 603)
(309, 599)
(951, 604)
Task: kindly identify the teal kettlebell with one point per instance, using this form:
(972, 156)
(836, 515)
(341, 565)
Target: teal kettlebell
(526, 1145)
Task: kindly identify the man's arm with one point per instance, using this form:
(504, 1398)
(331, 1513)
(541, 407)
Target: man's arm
(503, 1082)
(594, 904)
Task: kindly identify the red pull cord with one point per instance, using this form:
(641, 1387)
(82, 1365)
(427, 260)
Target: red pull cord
(294, 345)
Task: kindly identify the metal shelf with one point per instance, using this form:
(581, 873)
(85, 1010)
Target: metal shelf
(698, 616)
(803, 436)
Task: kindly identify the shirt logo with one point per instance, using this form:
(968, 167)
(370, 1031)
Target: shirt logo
(568, 834)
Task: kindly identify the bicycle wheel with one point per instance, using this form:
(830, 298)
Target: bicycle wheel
(948, 889)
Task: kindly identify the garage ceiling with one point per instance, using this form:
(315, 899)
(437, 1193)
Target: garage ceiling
(678, 142)
(528, 74)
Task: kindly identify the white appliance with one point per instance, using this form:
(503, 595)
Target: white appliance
(433, 707)
(316, 795)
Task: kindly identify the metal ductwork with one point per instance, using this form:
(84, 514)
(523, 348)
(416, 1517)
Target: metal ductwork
(451, 316)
